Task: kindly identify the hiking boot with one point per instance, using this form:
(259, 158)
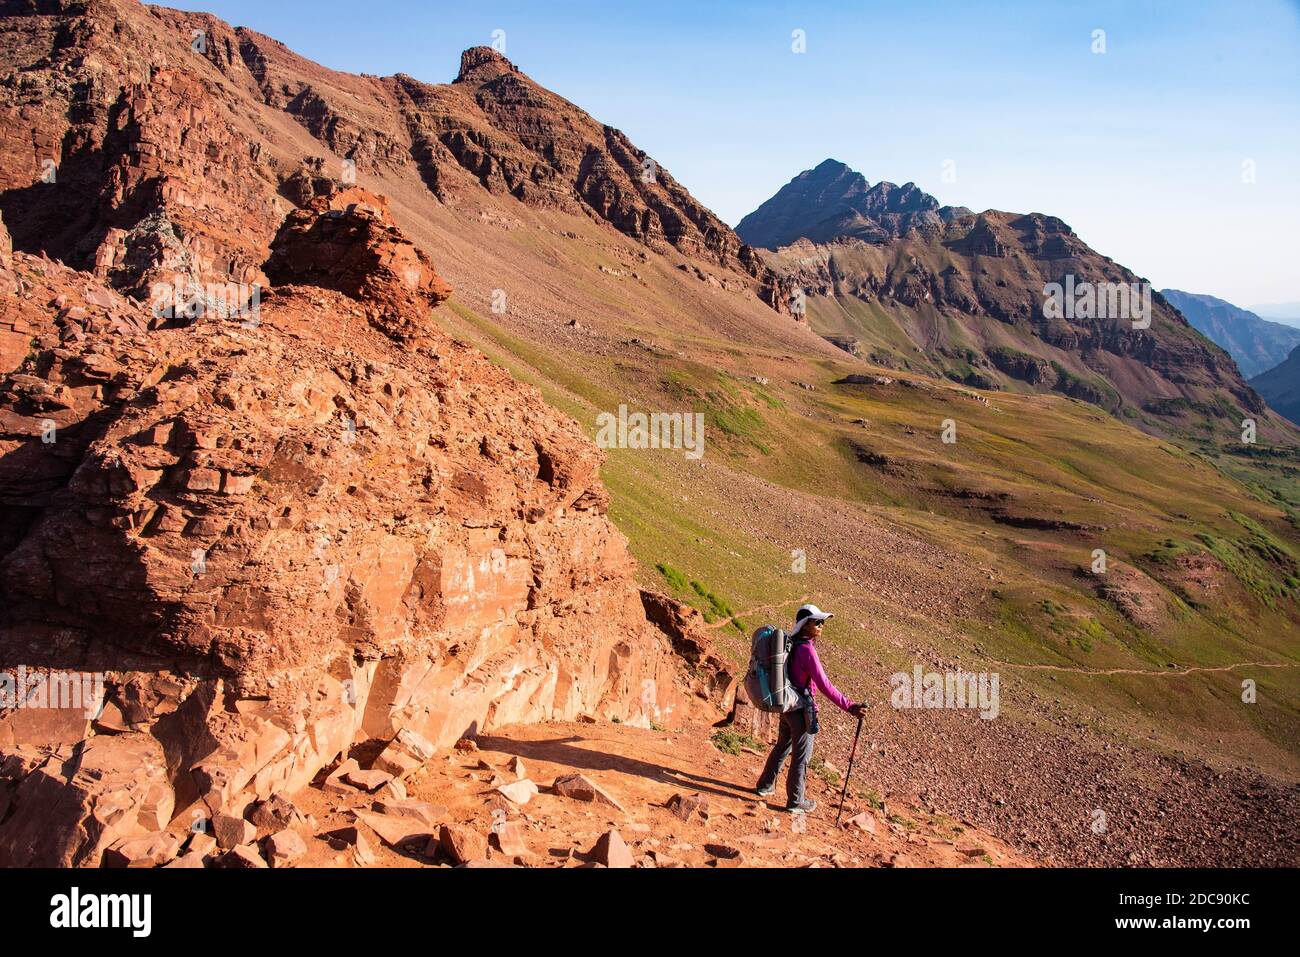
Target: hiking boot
(806, 805)
(764, 791)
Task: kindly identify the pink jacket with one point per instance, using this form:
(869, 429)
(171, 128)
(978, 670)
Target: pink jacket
(806, 672)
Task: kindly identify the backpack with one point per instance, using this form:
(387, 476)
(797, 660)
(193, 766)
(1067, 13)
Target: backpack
(767, 682)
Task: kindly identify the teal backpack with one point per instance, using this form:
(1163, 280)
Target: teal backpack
(767, 682)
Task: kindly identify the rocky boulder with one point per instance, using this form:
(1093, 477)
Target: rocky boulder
(347, 241)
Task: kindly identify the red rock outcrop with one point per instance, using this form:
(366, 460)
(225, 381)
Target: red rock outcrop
(347, 241)
(15, 328)
(276, 536)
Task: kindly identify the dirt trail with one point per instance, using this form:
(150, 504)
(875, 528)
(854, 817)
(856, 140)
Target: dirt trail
(750, 612)
(829, 601)
(642, 769)
(1170, 672)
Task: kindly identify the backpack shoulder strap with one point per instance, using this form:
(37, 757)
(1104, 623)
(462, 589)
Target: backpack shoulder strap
(793, 646)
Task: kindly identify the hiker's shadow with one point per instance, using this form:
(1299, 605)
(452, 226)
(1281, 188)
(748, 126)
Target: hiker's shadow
(562, 751)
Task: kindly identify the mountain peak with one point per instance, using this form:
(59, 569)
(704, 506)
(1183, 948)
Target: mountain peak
(482, 63)
(830, 165)
(831, 171)
(833, 201)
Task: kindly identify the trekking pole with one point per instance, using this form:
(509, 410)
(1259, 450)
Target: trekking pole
(849, 771)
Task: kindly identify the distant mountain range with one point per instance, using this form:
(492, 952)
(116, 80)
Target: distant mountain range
(1257, 344)
(893, 276)
(1281, 386)
(1287, 312)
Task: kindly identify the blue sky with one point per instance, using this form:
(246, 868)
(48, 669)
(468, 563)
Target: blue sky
(1142, 149)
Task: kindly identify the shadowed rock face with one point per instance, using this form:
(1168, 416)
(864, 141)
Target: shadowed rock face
(1281, 386)
(275, 530)
(144, 182)
(525, 140)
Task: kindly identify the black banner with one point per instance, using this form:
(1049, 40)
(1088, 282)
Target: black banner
(854, 906)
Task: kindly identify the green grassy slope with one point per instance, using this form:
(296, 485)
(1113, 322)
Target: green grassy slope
(1032, 486)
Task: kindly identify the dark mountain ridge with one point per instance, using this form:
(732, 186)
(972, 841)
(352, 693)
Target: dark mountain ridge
(1256, 344)
(833, 201)
(1280, 386)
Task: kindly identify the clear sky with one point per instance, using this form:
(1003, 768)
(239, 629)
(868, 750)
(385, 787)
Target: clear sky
(1176, 151)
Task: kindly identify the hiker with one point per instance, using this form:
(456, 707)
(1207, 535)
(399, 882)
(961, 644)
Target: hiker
(799, 725)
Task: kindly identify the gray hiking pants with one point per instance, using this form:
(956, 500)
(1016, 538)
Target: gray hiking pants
(794, 737)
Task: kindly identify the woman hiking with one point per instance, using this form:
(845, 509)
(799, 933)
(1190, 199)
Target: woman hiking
(799, 726)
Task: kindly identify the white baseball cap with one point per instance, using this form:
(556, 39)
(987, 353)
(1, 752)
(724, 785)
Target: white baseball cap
(809, 613)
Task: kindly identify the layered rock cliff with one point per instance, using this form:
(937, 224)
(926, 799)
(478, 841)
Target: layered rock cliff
(248, 490)
(277, 532)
